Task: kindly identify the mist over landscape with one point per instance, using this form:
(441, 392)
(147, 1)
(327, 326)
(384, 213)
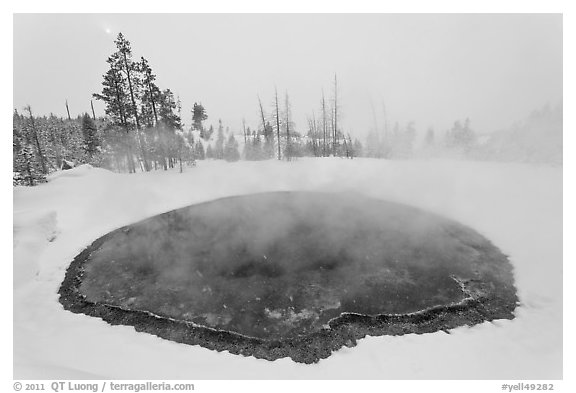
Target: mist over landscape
(314, 196)
(401, 86)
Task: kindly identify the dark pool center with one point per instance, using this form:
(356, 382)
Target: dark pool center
(285, 265)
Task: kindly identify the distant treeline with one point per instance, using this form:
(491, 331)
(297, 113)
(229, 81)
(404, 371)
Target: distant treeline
(142, 130)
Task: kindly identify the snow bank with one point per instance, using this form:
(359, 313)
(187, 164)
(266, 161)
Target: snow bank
(518, 207)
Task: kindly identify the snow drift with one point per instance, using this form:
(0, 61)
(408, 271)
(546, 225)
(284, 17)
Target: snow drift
(518, 207)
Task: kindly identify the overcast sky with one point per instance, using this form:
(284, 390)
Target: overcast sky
(431, 69)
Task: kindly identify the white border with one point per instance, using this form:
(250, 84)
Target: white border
(339, 6)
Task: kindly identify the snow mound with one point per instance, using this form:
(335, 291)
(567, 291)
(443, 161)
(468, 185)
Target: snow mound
(79, 171)
(32, 233)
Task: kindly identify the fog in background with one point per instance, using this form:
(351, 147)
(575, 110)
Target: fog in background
(431, 69)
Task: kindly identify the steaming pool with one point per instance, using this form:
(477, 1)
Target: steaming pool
(291, 274)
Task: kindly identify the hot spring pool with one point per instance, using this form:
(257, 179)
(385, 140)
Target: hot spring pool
(296, 274)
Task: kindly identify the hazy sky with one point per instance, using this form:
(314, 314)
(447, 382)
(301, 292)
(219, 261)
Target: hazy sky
(431, 69)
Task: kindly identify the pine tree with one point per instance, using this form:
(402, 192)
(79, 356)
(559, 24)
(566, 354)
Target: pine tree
(290, 150)
(26, 169)
(35, 138)
(461, 137)
(268, 148)
(151, 94)
(324, 127)
(114, 95)
(199, 151)
(209, 153)
(357, 148)
(170, 121)
(219, 146)
(335, 117)
(89, 133)
(231, 152)
(429, 139)
(208, 134)
(130, 70)
(277, 117)
(198, 116)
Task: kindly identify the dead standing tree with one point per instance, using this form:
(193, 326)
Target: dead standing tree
(265, 129)
(288, 151)
(335, 130)
(324, 128)
(277, 122)
(37, 140)
(93, 113)
(68, 110)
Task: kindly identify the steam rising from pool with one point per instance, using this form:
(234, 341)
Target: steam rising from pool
(283, 265)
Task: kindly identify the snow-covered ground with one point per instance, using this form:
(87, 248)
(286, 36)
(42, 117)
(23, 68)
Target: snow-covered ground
(518, 207)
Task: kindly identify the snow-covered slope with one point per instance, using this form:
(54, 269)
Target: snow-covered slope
(518, 207)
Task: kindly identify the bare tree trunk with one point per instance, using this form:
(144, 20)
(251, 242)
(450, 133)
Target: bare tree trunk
(57, 150)
(29, 172)
(324, 123)
(124, 122)
(263, 122)
(335, 113)
(153, 104)
(67, 110)
(351, 147)
(314, 135)
(377, 153)
(278, 123)
(288, 147)
(244, 130)
(93, 113)
(138, 134)
(37, 141)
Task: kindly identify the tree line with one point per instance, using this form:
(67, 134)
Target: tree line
(143, 130)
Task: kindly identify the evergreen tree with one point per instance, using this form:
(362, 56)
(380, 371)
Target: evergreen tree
(208, 134)
(114, 94)
(248, 152)
(290, 150)
(219, 146)
(35, 138)
(55, 134)
(209, 153)
(373, 145)
(26, 169)
(429, 138)
(170, 121)
(151, 94)
(89, 133)
(406, 141)
(357, 148)
(259, 151)
(198, 116)
(130, 70)
(116, 98)
(168, 110)
(231, 152)
(199, 150)
(461, 137)
(268, 148)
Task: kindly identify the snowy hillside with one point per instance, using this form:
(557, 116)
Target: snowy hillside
(518, 207)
